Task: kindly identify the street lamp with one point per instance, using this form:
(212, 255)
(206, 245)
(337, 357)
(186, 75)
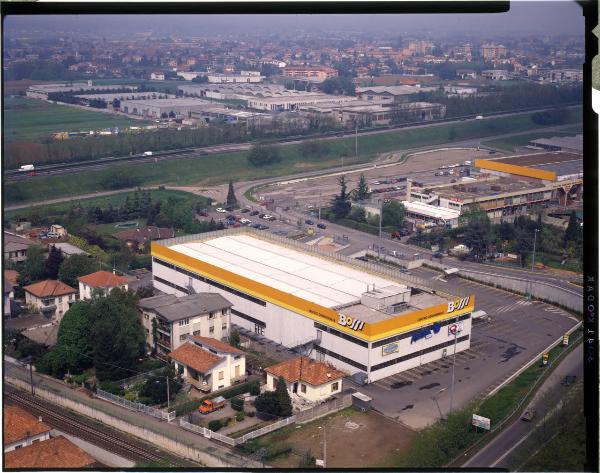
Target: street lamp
(453, 366)
(434, 397)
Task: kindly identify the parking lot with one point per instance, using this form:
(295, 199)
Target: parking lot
(518, 331)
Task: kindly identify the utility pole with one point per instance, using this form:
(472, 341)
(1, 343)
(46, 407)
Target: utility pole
(356, 139)
(31, 376)
(168, 404)
(380, 220)
(535, 232)
(320, 197)
(324, 447)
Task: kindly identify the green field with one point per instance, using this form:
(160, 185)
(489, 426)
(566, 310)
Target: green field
(511, 143)
(219, 168)
(31, 120)
(116, 200)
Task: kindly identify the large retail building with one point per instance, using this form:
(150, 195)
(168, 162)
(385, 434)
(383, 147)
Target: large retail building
(359, 316)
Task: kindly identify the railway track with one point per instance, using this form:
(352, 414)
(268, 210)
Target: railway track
(12, 175)
(104, 437)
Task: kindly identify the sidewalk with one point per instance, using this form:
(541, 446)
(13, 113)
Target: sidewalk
(171, 430)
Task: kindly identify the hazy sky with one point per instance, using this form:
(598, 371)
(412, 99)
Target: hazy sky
(557, 17)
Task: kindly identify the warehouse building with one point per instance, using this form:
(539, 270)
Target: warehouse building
(360, 317)
(163, 108)
(41, 91)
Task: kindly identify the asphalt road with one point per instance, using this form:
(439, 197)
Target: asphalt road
(496, 452)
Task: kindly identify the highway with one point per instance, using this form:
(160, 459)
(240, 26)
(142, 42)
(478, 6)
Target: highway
(496, 452)
(191, 153)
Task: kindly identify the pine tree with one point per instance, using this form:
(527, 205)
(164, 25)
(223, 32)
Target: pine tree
(231, 199)
(340, 205)
(362, 191)
(55, 259)
(572, 232)
(283, 398)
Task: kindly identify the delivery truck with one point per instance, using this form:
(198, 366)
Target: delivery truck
(212, 405)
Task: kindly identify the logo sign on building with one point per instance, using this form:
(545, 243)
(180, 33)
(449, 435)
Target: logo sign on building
(458, 304)
(481, 422)
(425, 332)
(455, 328)
(354, 324)
(565, 339)
(389, 349)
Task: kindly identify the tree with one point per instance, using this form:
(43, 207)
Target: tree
(34, 268)
(234, 339)
(284, 402)
(262, 155)
(55, 259)
(573, 231)
(155, 387)
(362, 191)
(267, 403)
(393, 213)
(75, 266)
(478, 230)
(358, 214)
(231, 199)
(340, 205)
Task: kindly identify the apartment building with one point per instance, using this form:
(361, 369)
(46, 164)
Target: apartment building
(51, 298)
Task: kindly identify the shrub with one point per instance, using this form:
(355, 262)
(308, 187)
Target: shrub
(237, 403)
(254, 388)
(79, 379)
(251, 414)
(240, 416)
(215, 425)
(130, 395)
(277, 450)
(112, 387)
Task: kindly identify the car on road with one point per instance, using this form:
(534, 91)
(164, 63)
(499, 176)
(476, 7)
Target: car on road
(321, 226)
(221, 210)
(245, 211)
(309, 222)
(254, 212)
(528, 415)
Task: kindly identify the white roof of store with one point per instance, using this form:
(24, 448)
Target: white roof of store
(315, 279)
(431, 210)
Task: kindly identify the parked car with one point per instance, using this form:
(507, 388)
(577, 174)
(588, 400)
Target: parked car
(438, 255)
(245, 211)
(53, 235)
(203, 213)
(309, 222)
(270, 218)
(229, 208)
(260, 226)
(245, 221)
(362, 258)
(221, 210)
(397, 254)
(404, 271)
(254, 212)
(322, 226)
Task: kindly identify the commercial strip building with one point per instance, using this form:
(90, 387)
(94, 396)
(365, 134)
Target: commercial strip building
(359, 317)
(511, 186)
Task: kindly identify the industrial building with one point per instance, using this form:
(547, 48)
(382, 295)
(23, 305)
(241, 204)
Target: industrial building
(512, 185)
(360, 317)
(295, 101)
(390, 94)
(41, 91)
(420, 213)
(247, 77)
(559, 143)
(163, 108)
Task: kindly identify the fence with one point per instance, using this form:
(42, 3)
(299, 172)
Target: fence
(300, 417)
(136, 406)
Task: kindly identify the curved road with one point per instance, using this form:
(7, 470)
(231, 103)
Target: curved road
(496, 452)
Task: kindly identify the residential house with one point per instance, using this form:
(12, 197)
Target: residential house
(55, 453)
(36, 328)
(22, 428)
(52, 298)
(310, 379)
(204, 314)
(209, 364)
(136, 238)
(15, 247)
(100, 282)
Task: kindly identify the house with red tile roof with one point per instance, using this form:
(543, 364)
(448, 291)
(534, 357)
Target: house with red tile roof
(101, 282)
(308, 378)
(52, 298)
(136, 238)
(22, 428)
(55, 453)
(209, 364)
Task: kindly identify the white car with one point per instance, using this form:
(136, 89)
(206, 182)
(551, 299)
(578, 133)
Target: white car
(268, 217)
(245, 221)
(221, 211)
